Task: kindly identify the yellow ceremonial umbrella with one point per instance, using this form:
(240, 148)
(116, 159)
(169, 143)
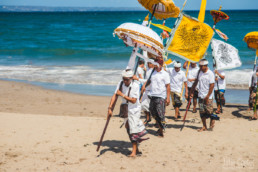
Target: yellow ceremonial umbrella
(163, 8)
(252, 40)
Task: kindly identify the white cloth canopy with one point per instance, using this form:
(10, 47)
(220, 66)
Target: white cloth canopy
(143, 36)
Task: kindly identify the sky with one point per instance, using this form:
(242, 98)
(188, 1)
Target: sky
(191, 4)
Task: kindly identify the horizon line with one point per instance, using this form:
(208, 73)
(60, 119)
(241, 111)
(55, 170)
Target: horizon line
(132, 8)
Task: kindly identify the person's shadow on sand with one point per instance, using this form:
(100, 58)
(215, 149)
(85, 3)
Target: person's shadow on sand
(238, 113)
(115, 146)
(153, 130)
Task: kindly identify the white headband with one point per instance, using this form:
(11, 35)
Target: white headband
(177, 64)
(127, 74)
(203, 62)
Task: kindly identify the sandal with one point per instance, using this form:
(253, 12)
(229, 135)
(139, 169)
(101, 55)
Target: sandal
(194, 111)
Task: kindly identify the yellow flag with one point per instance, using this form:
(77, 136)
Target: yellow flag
(190, 39)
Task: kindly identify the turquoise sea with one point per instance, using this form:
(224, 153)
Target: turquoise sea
(76, 51)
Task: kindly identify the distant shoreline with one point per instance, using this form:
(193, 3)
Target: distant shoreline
(43, 9)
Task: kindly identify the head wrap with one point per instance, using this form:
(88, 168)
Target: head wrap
(160, 62)
(152, 61)
(128, 73)
(203, 62)
(177, 64)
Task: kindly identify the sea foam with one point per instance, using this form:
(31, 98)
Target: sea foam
(235, 79)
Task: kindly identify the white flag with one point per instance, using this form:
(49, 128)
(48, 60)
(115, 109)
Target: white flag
(226, 56)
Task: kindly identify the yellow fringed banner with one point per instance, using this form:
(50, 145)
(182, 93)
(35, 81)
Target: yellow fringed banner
(190, 39)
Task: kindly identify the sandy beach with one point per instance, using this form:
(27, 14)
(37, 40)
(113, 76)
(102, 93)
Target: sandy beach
(48, 130)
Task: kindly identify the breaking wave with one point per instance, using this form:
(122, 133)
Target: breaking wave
(236, 79)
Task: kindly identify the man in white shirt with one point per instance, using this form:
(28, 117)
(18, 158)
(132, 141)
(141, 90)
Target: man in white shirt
(141, 69)
(145, 101)
(206, 80)
(177, 79)
(129, 91)
(159, 94)
(219, 89)
(191, 77)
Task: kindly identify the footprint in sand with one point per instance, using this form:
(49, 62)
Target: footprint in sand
(12, 154)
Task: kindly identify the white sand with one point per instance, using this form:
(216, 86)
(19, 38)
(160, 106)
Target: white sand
(62, 143)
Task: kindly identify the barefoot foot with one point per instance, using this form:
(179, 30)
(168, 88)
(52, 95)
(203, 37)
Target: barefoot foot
(202, 129)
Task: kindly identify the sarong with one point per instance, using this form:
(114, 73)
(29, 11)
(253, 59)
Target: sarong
(176, 99)
(135, 123)
(252, 97)
(157, 110)
(221, 92)
(206, 110)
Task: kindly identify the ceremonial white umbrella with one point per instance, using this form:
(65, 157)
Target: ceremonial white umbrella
(139, 36)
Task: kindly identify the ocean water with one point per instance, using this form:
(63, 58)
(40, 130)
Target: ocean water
(77, 51)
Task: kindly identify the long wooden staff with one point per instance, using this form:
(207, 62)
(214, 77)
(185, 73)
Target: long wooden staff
(104, 131)
(107, 122)
(189, 103)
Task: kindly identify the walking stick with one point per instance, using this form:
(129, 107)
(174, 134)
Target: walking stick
(189, 103)
(106, 125)
(103, 133)
(188, 107)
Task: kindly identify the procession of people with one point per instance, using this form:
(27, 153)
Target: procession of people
(151, 89)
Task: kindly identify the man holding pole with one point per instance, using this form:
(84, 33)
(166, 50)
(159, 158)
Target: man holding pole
(191, 77)
(177, 79)
(219, 89)
(129, 91)
(159, 95)
(206, 82)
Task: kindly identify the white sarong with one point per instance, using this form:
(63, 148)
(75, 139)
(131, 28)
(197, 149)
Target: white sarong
(134, 121)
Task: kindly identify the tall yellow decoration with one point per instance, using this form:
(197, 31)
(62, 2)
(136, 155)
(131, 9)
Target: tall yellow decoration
(201, 16)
